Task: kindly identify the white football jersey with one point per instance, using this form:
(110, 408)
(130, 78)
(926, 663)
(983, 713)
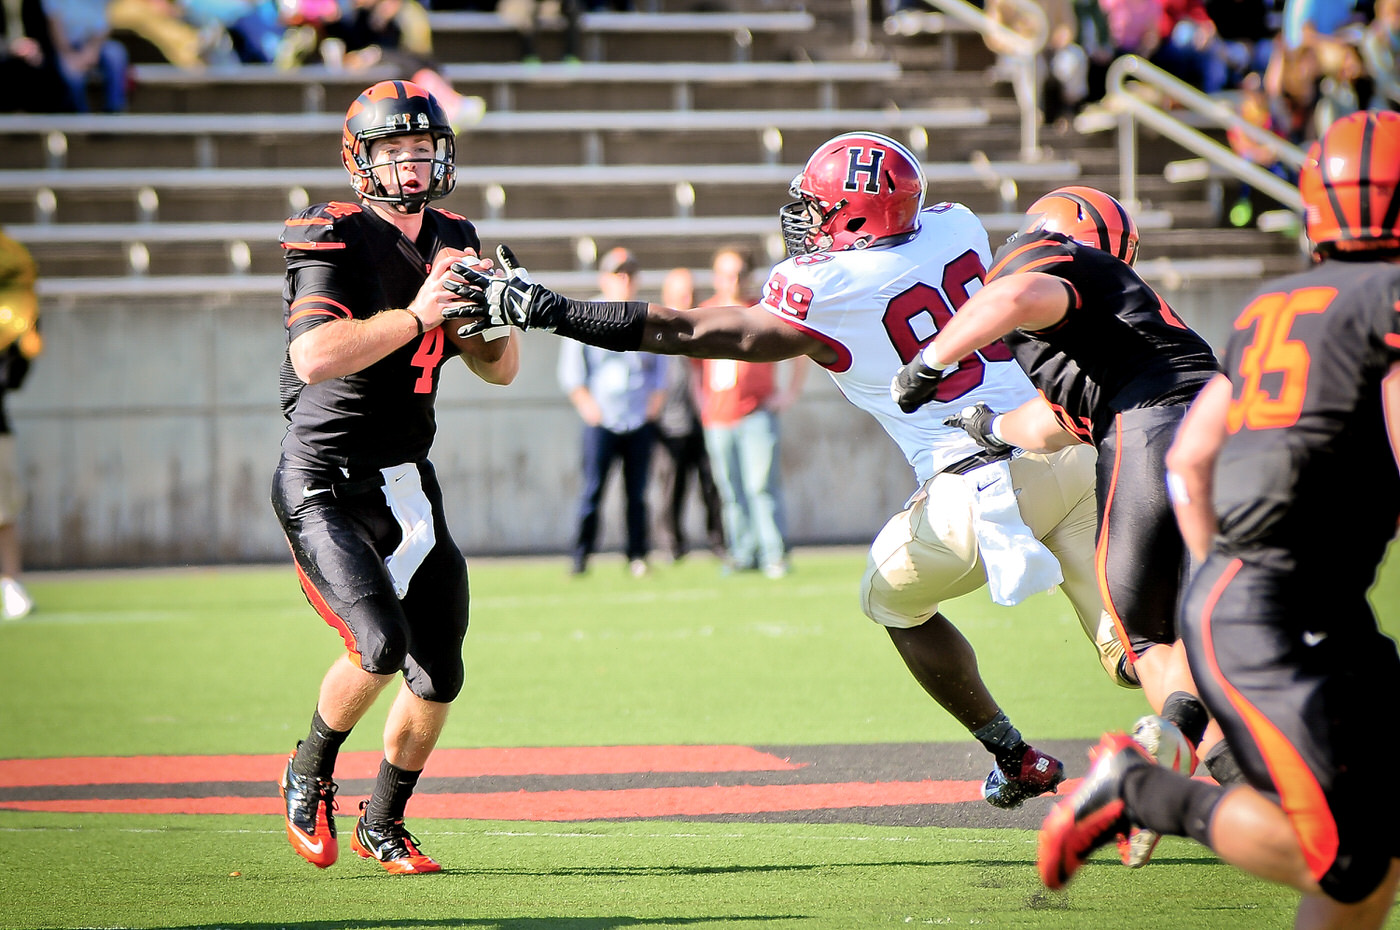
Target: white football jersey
(878, 307)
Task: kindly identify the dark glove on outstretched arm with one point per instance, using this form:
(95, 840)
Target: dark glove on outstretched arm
(512, 300)
(515, 300)
(976, 421)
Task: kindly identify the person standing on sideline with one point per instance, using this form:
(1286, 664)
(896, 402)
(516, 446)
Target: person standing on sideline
(739, 406)
(20, 344)
(681, 440)
(1285, 483)
(364, 300)
(869, 270)
(618, 395)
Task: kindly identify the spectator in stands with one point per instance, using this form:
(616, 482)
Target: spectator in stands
(1322, 17)
(528, 16)
(1191, 47)
(1133, 26)
(161, 23)
(1077, 53)
(681, 441)
(739, 406)
(1246, 30)
(1380, 52)
(619, 396)
(82, 41)
(304, 23)
(395, 33)
(27, 63)
(248, 31)
(1255, 110)
(20, 344)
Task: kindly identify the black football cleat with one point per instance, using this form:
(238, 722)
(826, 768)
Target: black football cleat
(310, 821)
(392, 845)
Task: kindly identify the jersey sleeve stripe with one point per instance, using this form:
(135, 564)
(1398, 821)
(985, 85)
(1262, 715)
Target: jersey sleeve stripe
(843, 354)
(310, 221)
(313, 246)
(314, 311)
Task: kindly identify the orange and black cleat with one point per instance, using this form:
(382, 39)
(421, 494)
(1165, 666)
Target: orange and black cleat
(1094, 815)
(310, 821)
(392, 845)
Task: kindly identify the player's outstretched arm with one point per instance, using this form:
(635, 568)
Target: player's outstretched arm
(1034, 427)
(1390, 403)
(1191, 465)
(513, 299)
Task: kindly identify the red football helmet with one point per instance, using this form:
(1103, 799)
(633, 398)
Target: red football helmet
(1348, 184)
(396, 108)
(1089, 217)
(855, 190)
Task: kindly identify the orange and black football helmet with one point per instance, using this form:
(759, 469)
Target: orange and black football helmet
(856, 190)
(396, 108)
(1089, 217)
(1348, 183)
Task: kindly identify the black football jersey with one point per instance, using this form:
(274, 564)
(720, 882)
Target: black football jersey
(1307, 473)
(1120, 347)
(345, 261)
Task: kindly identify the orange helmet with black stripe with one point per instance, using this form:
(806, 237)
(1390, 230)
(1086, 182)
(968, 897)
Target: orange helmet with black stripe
(1089, 217)
(396, 108)
(1348, 183)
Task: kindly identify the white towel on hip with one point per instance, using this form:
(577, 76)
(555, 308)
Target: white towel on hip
(403, 489)
(1018, 565)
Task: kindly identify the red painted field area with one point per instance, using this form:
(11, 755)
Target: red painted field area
(545, 784)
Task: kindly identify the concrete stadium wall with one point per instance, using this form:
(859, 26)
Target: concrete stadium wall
(148, 431)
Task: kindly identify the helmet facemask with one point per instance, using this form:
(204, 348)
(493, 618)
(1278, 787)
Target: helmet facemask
(805, 224)
(441, 177)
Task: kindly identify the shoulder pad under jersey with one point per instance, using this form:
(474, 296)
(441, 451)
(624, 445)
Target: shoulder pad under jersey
(1031, 251)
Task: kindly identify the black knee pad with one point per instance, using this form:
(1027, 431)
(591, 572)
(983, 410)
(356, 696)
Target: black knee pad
(1354, 876)
(440, 684)
(381, 643)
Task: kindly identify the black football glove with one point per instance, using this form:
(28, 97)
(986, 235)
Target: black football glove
(513, 300)
(915, 384)
(976, 421)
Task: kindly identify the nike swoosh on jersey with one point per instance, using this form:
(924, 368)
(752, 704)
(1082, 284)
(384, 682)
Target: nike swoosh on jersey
(1312, 639)
(312, 492)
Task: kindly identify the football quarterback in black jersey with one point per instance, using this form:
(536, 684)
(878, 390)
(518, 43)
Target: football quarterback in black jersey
(1116, 368)
(1285, 481)
(364, 301)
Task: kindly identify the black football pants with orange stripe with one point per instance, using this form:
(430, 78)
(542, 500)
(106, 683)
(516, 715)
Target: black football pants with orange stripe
(1140, 558)
(340, 544)
(1303, 683)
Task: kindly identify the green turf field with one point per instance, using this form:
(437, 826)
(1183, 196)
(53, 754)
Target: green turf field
(227, 662)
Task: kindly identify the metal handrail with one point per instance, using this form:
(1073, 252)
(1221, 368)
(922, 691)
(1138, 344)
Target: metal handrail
(1131, 109)
(1020, 50)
